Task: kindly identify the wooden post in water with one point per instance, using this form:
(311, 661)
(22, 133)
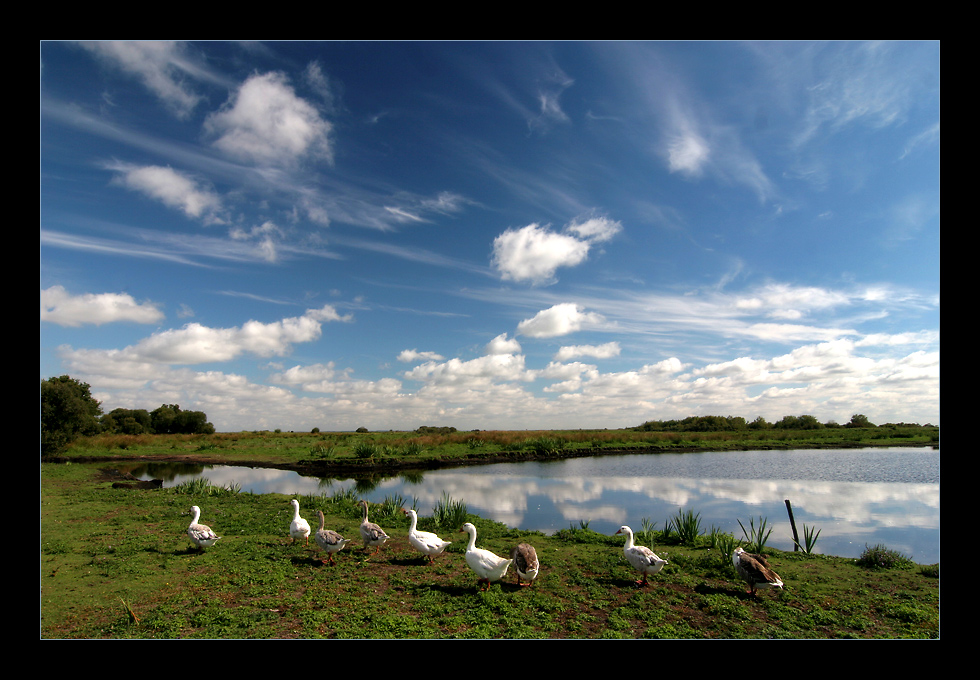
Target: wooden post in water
(792, 523)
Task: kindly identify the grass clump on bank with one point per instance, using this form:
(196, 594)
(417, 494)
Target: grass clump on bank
(880, 557)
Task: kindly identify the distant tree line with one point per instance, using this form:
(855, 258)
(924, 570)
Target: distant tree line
(433, 429)
(167, 419)
(735, 423)
(68, 411)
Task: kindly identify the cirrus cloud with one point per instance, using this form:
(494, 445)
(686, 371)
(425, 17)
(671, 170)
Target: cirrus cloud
(172, 188)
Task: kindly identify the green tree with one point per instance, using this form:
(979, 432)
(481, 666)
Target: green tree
(164, 418)
(127, 421)
(68, 410)
(860, 420)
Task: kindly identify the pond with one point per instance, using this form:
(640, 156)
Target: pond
(855, 497)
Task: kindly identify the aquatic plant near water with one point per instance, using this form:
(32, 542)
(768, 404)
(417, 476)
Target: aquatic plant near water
(756, 538)
(449, 512)
(688, 526)
(809, 540)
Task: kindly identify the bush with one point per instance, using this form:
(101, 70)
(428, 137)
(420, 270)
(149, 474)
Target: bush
(880, 557)
(67, 411)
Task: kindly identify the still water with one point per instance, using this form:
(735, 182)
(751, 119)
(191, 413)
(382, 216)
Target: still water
(855, 497)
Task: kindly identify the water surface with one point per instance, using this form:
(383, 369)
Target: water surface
(856, 497)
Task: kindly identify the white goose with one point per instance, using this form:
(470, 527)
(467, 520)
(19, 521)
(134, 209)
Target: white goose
(329, 540)
(372, 535)
(525, 562)
(755, 570)
(299, 527)
(200, 534)
(425, 542)
(485, 564)
(640, 557)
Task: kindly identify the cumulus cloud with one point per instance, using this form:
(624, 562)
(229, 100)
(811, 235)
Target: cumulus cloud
(561, 319)
(266, 122)
(300, 375)
(604, 351)
(172, 188)
(534, 253)
(58, 306)
(195, 343)
(412, 355)
(159, 64)
(474, 373)
(503, 345)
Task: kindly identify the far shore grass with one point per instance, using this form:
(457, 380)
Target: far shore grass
(399, 450)
(116, 562)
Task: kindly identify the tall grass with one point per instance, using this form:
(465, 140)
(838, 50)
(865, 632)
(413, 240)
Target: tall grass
(449, 513)
(687, 525)
(202, 486)
(366, 450)
(648, 530)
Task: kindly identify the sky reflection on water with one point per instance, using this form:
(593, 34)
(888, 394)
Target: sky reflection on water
(855, 497)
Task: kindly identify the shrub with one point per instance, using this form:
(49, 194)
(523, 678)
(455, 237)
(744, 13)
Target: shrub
(880, 557)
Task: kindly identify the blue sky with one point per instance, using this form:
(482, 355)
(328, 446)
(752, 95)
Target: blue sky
(493, 235)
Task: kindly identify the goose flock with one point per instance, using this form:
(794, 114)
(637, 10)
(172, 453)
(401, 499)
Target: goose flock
(489, 567)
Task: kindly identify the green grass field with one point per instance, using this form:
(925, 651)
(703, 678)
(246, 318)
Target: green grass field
(116, 563)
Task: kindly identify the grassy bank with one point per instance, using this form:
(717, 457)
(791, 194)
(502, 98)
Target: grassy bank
(116, 563)
(347, 451)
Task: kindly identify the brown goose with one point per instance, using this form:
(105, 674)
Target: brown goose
(755, 570)
(372, 535)
(525, 563)
(329, 540)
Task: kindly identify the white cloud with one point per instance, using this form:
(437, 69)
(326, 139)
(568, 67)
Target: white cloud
(472, 374)
(159, 64)
(60, 307)
(595, 229)
(412, 355)
(604, 351)
(687, 154)
(265, 122)
(502, 345)
(172, 188)
(195, 343)
(561, 319)
(300, 375)
(534, 253)
(266, 235)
